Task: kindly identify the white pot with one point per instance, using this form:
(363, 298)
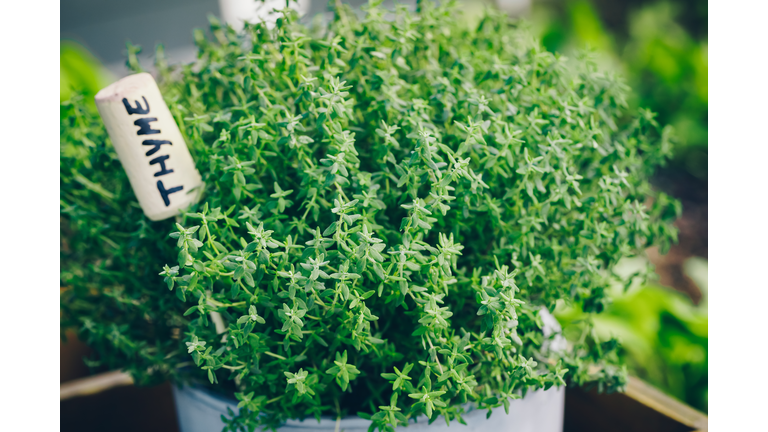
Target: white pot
(199, 410)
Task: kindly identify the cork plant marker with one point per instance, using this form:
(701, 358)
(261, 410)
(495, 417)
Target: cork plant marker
(150, 146)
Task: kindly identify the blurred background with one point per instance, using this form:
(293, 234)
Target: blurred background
(659, 46)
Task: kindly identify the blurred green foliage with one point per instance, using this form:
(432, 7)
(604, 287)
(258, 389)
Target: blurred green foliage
(660, 47)
(663, 335)
(81, 72)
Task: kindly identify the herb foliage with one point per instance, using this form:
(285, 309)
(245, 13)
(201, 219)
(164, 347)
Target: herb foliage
(388, 205)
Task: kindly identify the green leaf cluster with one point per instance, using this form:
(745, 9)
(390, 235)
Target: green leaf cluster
(664, 335)
(389, 204)
(661, 47)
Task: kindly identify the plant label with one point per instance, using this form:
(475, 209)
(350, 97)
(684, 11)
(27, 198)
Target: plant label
(150, 146)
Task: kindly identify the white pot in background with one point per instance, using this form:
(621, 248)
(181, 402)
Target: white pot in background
(515, 8)
(236, 12)
(199, 410)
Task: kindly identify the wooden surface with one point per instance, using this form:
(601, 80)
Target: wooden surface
(71, 354)
(654, 399)
(94, 385)
(121, 409)
(641, 409)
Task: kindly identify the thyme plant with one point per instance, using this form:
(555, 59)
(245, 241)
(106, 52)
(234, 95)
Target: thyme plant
(388, 204)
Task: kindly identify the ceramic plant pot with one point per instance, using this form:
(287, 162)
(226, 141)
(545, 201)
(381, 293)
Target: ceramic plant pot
(200, 410)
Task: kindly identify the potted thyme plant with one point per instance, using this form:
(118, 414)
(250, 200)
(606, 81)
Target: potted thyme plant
(389, 205)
